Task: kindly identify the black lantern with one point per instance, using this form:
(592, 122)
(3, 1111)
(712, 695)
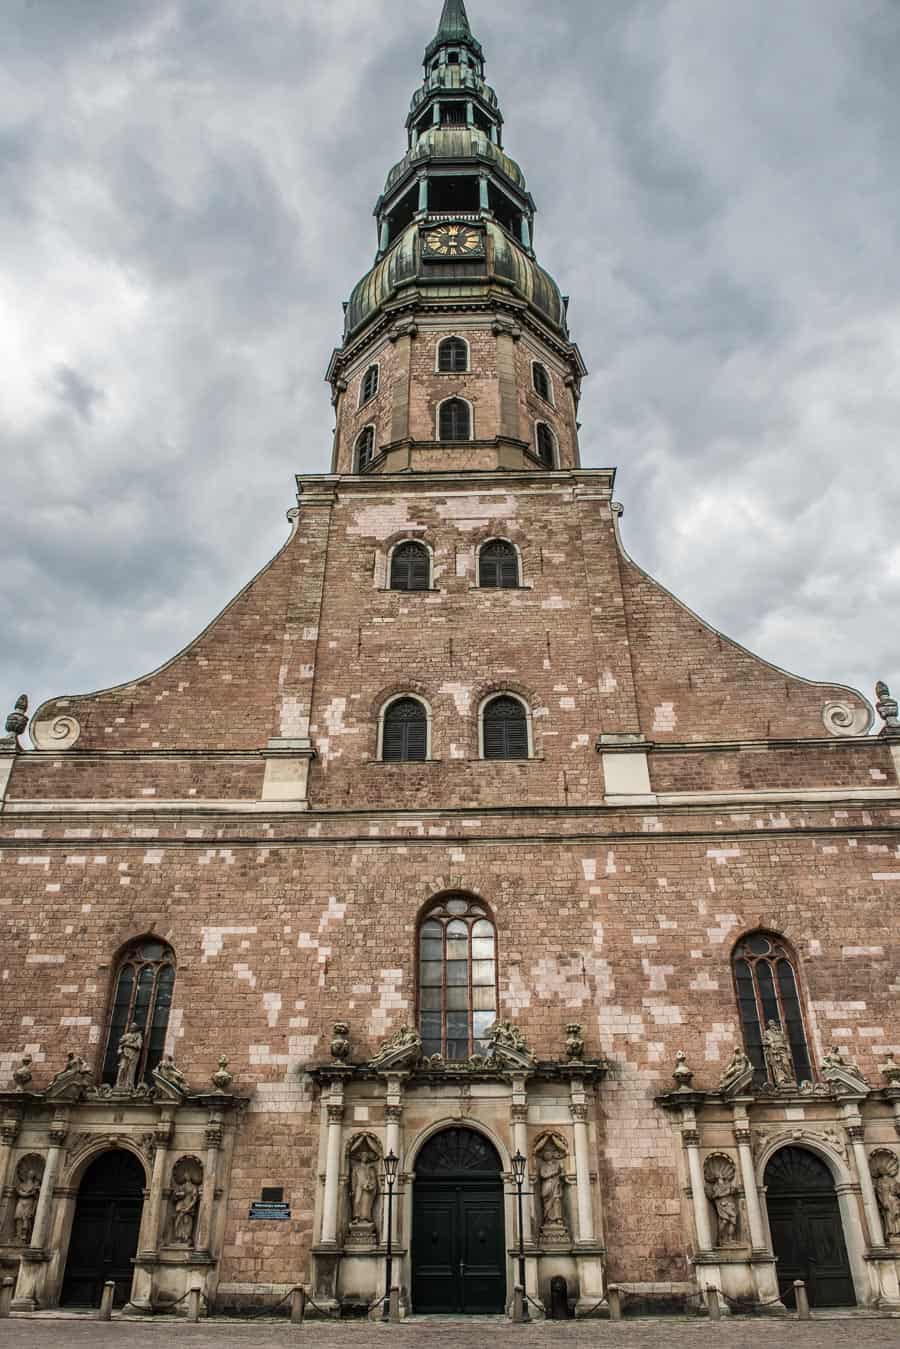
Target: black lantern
(391, 1164)
(520, 1166)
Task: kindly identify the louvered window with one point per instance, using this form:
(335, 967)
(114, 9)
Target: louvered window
(144, 983)
(409, 567)
(457, 978)
(498, 566)
(455, 421)
(365, 449)
(369, 384)
(453, 356)
(765, 981)
(505, 729)
(546, 445)
(405, 735)
(541, 382)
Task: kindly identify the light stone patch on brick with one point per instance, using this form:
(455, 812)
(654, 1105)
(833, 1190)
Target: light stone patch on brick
(727, 923)
(664, 718)
(213, 938)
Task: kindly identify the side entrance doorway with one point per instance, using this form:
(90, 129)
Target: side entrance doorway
(807, 1231)
(105, 1230)
(458, 1232)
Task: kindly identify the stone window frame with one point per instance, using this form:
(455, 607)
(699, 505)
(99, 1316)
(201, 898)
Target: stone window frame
(357, 466)
(506, 692)
(499, 538)
(790, 954)
(542, 421)
(453, 398)
(127, 954)
(449, 337)
(365, 399)
(439, 901)
(551, 401)
(400, 543)
(399, 697)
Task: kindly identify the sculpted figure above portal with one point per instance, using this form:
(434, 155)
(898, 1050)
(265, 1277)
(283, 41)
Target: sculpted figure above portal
(778, 1056)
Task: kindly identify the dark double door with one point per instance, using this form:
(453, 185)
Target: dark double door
(807, 1232)
(105, 1230)
(458, 1246)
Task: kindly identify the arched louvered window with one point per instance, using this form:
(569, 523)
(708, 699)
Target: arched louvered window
(143, 996)
(457, 978)
(504, 729)
(453, 355)
(410, 569)
(498, 566)
(365, 449)
(542, 385)
(404, 737)
(546, 445)
(766, 984)
(455, 420)
(369, 385)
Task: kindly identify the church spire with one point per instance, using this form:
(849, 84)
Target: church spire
(453, 30)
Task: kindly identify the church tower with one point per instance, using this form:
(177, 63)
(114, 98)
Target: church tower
(456, 865)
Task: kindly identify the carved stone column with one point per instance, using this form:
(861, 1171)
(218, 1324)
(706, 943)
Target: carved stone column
(334, 1107)
(690, 1138)
(33, 1265)
(742, 1137)
(578, 1108)
(9, 1132)
(214, 1136)
(142, 1293)
(520, 1144)
(882, 1257)
(393, 1116)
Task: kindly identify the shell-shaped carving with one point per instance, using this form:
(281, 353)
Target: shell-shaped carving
(884, 1162)
(61, 733)
(719, 1167)
(844, 720)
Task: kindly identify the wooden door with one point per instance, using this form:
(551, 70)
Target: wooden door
(105, 1230)
(807, 1231)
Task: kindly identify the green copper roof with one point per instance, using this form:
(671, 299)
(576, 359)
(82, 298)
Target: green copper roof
(453, 27)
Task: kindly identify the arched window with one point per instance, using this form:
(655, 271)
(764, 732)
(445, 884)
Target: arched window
(455, 420)
(498, 566)
(546, 445)
(453, 355)
(542, 386)
(369, 387)
(504, 724)
(410, 567)
(365, 448)
(457, 978)
(765, 980)
(404, 735)
(144, 982)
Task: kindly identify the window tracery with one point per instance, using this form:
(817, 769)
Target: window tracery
(767, 990)
(457, 978)
(145, 978)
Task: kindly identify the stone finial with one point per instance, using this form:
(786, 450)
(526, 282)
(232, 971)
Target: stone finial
(886, 706)
(890, 1071)
(16, 724)
(683, 1075)
(340, 1042)
(222, 1078)
(574, 1042)
(22, 1074)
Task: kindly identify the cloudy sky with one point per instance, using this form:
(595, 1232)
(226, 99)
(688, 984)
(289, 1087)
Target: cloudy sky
(186, 190)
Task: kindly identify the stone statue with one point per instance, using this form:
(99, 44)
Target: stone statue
(402, 1050)
(722, 1192)
(575, 1042)
(683, 1075)
(340, 1042)
(128, 1053)
(222, 1078)
(22, 1074)
(16, 724)
(885, 1168)
(551, 1183)
(168, 1070)
(27, 1189)
(72, 1081)
(186, 1178)
(886, 706)
(739, 1069)
(778, 1056)
(363, 1185)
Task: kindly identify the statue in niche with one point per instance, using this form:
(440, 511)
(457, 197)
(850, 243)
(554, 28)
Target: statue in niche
(187, 1176)
(363, 1185)
(128, 1053)
(551, 1174)
(885, 1168)
(722, 1192)
(27, 1189)
(778, 1056)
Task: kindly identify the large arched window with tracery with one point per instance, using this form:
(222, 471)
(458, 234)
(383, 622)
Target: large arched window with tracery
(143, 996)
(767, 989)
(457, 978)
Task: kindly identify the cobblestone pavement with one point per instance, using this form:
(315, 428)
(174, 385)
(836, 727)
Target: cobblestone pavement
(837, 1333)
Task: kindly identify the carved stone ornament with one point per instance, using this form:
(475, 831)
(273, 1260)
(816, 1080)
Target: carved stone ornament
(340, 1042)
(885, 1168)
(841, 1073)
(890, 1071)
(508, 1046)
(22, 1074)
(738, 1076)
(402, 1050)
(550, 1153)
(26, 1188)
(683, 1075)
(71, 1082)
(16, 725)
(886, 706)
(169, 1081)
(722, 1190)
(187, 1186)
(778, 1056)
(574, 1042)
(363, 1158)
(845, 720)
(222, 1078)
(61, 733)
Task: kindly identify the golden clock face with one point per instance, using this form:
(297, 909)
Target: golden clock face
(453, 241)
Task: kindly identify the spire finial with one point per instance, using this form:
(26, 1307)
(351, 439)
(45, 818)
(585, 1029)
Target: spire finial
(453, 27)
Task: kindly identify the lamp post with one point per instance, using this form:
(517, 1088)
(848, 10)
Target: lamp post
(519, 1164)
(391, 1162)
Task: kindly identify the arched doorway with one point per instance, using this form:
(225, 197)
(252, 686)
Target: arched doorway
(105, 1230)
(458, 1236)
(807, 1232)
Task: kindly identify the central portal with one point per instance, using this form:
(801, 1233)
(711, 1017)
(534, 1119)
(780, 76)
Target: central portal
(458, 1260)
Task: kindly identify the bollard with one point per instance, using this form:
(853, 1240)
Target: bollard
(614, 1298)
(6, 1292)
(394, 1305)
(518, 1314)
(106, 1302)
(298, 1306)
(194, 1304)
(712, 1304)
(802, 1300)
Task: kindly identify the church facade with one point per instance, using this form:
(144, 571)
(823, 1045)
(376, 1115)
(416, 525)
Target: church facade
(455, 848)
